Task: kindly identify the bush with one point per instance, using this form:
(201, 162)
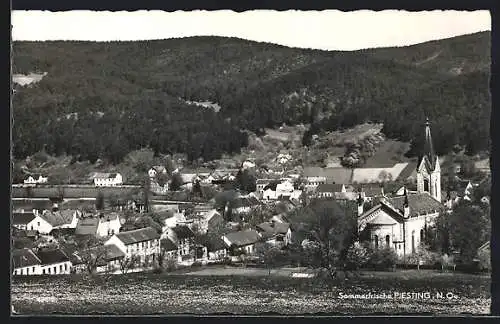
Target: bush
(196, 264)
(382, 259)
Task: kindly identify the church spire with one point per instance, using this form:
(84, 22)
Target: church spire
(428, 147)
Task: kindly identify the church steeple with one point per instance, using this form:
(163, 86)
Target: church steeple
(428, 147)
(429, 171)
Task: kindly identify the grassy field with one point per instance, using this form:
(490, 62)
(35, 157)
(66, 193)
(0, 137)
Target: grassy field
(251, 294)
(69, 192)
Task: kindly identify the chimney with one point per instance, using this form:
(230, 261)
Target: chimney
(406, 207)
(361, 202)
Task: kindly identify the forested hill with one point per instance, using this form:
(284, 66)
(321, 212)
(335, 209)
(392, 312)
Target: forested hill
(105, 99)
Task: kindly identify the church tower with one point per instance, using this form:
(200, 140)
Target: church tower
(428, 169)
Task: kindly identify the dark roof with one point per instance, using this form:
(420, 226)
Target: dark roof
(420, 204)
(59, 217)
(52, 256)
(183, 232)
(87, 226)
(104, 254)
(112, 252)
(272, 185)
(396, 214)
(213, 243)
(63, 231)
(372, 190)
(273, 228)
(22, 218)
(243, 238)
(330, 187)
(138, 235)
(25, 258)
(167, 245)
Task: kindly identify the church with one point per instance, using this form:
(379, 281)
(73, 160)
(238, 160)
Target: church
(400, 223)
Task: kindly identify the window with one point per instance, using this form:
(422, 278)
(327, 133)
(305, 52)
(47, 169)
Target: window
(376, 241)
(38, 224)
(22, 271)
(387, 240)
(426, 185)
(33, 269)
(61, 268)
(65, 266)
(27, 271)
(48, 270)
(413, 242)
(55, 270)
(43, 271)
(422, 235)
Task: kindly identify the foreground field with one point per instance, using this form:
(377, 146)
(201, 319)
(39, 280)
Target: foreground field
(240, 294)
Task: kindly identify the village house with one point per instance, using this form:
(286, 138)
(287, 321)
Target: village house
(143, 242)
(100, 226)
(156, 170)
(242, 241)
(107, 258)
(183, 237)
(46, 221)
(189, 176)
(280, 189)
(276, 233)
(169, 249)
(244, 204)
(216, 248)
(35, 179)
(54, 262)
(105, 179)
(24, 220)
(401, 222)
(208, 220)
(25, 262)
(329, 190)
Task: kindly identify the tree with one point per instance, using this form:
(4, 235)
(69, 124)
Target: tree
(270, 255)
(92, 253)
(128, 262)
(423, 256)
(357, 256)
(99, 201)
(176, 182)
(331, 229)
(246, 181)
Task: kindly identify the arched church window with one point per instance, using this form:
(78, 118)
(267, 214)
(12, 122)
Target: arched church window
(426, 185)
(387, 240)
(413, 241)
(422, 235)
(376, 241)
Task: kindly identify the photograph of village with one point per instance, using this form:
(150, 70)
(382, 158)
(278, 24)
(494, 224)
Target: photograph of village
(196, 169)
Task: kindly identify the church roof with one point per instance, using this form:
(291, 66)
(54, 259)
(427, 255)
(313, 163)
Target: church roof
(429, 157)
(420, 204)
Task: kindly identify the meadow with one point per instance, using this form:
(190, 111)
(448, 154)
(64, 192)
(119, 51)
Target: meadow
(190, 293)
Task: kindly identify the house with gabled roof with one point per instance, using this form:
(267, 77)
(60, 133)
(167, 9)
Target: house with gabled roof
(23, 220)
(35, 179)
(275, 233)
(326, 190)
(143, 242)
(104, 225)
(156, 170)
(25, 262)
(107, 258)
(107, 179)
(242, 240)
(54, 262)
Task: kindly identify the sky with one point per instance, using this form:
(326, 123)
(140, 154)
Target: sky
(327, 30)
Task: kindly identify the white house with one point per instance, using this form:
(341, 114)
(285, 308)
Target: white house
(45, 262)
(156, 170)
(105, 179)
(327, 190)
(36, 179)
(25, 262)
(183, 237)
(242, 240)
(32, 222)
(143, 242)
